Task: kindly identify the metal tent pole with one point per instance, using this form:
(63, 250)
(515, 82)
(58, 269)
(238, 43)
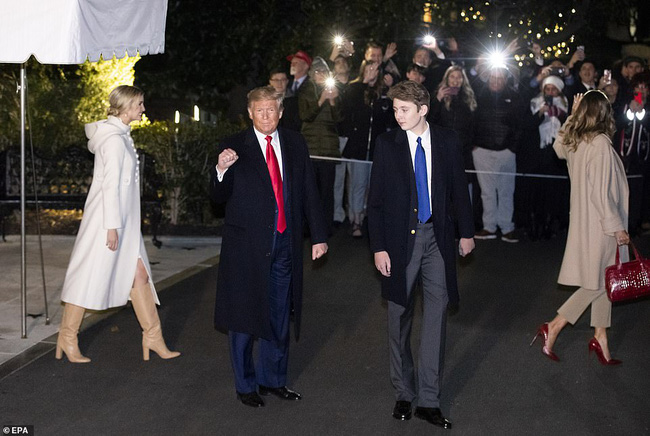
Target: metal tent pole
(23, 270)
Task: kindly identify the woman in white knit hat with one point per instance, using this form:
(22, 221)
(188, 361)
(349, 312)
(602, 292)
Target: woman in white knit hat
(543, 202)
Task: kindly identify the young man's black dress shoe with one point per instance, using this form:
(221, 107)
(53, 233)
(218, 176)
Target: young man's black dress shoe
(251, 399)
(432, 415)
(282, 392)
(402, 410)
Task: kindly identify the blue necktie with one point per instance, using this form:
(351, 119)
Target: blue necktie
(421, 183)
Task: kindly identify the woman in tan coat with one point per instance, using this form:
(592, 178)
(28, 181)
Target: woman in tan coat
(598, 220)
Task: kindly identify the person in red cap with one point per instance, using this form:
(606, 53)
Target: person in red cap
(300, 63)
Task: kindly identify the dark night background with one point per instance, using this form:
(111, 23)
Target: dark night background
(215, 46)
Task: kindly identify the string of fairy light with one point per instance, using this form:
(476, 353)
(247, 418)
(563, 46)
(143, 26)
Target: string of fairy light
(525, 28)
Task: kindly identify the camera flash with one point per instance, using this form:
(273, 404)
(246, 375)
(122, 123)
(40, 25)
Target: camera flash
(497, 59)
(338, 40)
(330, 82)
(429, 39)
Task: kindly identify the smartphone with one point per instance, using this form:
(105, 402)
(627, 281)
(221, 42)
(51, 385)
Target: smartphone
(330, 83)
(429, 39)
(453, 90)
(548, 99)
(607, 75)
(580, 48)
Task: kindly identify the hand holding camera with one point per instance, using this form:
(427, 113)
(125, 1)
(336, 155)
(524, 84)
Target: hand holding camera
(341, 46)
(430, 42)
(578, 55)
(330, 91)
(543, 73)
(447, 91)
(548, 100)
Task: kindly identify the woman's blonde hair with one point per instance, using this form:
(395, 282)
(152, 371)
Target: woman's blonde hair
(121, 98)
(466, 91)
(592, 117)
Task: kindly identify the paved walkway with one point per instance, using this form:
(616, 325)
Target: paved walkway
(493, 384)
(178, 258)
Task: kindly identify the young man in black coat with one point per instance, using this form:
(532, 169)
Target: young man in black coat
(417, 192)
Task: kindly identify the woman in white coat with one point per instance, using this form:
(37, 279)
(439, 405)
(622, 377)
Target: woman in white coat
(597, 223)
(109, 263)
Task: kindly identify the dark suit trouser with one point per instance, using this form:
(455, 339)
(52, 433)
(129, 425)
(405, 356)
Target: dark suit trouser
(426, 263)
(271, 368)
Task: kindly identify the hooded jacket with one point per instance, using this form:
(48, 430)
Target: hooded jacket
(98, 278)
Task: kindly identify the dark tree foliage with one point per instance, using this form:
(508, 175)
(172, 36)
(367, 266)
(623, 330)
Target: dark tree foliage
(213, 46)
(52, 98)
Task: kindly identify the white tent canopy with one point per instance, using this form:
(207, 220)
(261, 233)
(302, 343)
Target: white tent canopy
(71, 31)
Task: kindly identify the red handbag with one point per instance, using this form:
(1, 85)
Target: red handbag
(629, 280)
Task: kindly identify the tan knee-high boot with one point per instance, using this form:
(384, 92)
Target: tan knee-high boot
(147, 314)
(67, 341)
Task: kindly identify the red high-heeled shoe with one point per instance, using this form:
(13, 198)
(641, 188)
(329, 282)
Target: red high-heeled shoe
(543, 331)
(594, 345)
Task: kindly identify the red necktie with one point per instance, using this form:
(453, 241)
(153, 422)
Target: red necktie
(276, 181)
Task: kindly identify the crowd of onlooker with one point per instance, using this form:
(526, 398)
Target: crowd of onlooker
(507, 118)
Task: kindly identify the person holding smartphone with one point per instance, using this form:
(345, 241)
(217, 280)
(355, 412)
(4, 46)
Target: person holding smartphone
(453, 107)
(320, 111)
(632, 144)
(542, 204)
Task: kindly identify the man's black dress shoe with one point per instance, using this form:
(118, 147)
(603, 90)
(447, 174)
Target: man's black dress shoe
(402, 410)
(282, 392)
(432, 415)
(251, 399)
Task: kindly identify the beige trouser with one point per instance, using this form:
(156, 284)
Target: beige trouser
(601, 307)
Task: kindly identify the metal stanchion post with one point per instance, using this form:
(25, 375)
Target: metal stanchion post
(23, 269)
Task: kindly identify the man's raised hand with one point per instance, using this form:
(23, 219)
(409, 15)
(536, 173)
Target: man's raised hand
(226, 159)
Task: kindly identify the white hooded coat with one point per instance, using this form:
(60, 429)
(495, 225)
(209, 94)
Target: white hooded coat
(98, 278)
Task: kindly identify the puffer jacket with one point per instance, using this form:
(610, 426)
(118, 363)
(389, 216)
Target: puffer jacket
(498, 119)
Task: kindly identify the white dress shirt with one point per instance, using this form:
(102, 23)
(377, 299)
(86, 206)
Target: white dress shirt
(275, 143)
(588, 86)
(297, 83)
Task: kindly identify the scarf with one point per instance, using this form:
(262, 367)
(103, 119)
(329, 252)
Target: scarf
(551, 123)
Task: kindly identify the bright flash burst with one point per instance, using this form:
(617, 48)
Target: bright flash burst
(497, 59)
(330, 82)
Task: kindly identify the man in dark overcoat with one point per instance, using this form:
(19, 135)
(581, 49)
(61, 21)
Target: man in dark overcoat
(418, 191)
(266, 180)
